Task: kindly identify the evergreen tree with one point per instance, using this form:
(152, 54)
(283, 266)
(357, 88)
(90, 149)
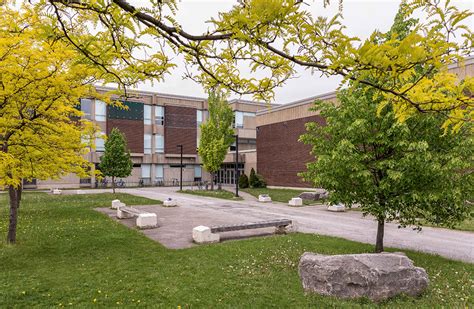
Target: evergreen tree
(116, 161)
(243, 181)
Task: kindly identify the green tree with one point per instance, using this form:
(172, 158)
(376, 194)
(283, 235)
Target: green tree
(116, 161)
(216, 133)
(409, 172)
(243, 181)
(272, 38)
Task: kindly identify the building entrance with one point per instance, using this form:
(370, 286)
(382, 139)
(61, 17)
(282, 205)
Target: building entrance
(226, 175)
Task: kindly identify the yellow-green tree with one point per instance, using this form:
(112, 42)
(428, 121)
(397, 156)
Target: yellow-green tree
(42, 80)
(271, 37)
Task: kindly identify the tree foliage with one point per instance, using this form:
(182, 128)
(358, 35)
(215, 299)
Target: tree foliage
(409, 172)
(42, 79)
(116, 160)
(216, 133)
(256, 180)
(271, 38)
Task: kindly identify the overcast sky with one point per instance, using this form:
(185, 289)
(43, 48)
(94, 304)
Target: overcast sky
(361, 17)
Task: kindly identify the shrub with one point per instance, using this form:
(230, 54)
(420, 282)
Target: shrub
(253, 178)
(243, 181)
(261, 183)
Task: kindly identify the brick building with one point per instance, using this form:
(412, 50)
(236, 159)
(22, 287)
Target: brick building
(154, 124)
(280, 155)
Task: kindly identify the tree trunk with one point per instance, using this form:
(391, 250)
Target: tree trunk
(15, 196)
(113, 184)
(380, 231)
(212, 181)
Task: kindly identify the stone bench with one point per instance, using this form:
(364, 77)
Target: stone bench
(203, 234)
(145, 220)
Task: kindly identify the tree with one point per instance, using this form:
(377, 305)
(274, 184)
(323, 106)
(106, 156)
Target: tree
(253, 178)
(116, 160)
(271, 38)
(216, 133)
(406, 172)
(409, 172)
(243, 181)
(42, 79)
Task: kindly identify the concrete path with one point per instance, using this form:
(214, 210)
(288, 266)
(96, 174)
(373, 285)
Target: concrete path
(351, 225)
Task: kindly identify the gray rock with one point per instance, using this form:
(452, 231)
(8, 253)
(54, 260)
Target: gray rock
(376, 276)
(309, 196)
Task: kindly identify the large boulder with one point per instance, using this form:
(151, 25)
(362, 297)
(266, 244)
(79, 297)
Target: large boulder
(376, 276)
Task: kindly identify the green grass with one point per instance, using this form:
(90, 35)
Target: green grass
(222, 194)
(280, 195)
(69, 254)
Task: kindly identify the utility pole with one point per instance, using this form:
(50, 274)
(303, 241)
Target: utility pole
(181, 168)
(236, 171)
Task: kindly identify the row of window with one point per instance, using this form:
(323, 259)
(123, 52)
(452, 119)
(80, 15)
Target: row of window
(101, 113)
(159, 171)
(159, 144)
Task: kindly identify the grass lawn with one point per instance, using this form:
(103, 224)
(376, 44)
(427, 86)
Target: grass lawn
(279, 195)
(69, 254)
(222, 194)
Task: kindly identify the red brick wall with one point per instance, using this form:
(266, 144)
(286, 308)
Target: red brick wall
(180, 129)
(280, 156)
(133, 131)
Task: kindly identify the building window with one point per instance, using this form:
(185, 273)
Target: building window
(159, 172)
(147, 114)
(100, 110)
(198, 117)
(197, 171)
(146, 170)
(160, 115)
(86, 108)
(147, 144)
(100, 142)
(239, 118)
(159, 144)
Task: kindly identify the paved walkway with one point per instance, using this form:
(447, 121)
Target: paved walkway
(351, 225)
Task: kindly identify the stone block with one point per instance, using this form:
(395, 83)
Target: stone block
(117, 204)
(376, 276)
(170, 202)
(123, 214)
(202, 235)
(147, 220)
(296, 201)
(337, 208)
(264, 198)
(57, 191)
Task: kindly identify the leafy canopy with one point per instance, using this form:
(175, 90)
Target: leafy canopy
(216, 132)
(270, 38)
(405, 171)
(42, 79)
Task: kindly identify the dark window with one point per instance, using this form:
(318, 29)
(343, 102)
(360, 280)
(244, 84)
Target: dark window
(134, 111)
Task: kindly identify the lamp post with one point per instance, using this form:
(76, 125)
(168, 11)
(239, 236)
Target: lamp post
(181, 168)
(236, 171)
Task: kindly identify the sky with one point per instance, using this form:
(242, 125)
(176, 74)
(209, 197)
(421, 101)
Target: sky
(361, 17)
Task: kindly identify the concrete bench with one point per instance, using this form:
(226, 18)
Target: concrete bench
(203, 234)
(56, 192)
(145, 220)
